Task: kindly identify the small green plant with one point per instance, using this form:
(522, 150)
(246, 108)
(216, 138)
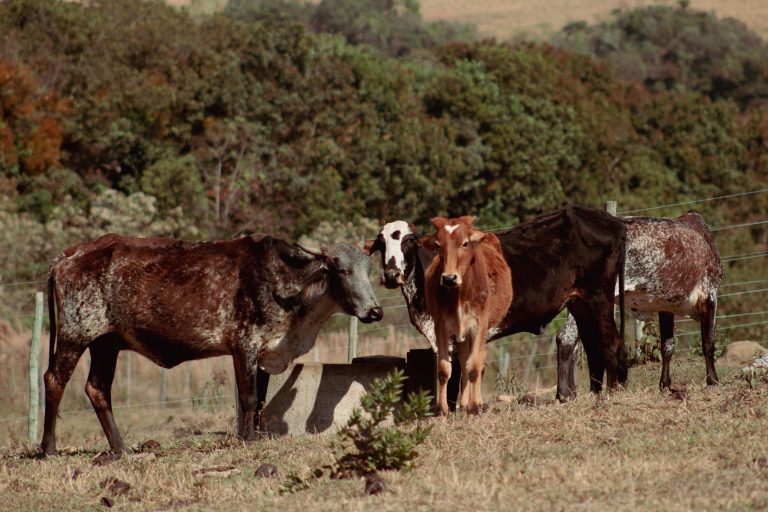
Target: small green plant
(379, 445)
(756, 372)
(295, 482)
(647, 348)
(210, 396)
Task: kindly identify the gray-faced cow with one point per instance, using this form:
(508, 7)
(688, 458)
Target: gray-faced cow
(672, 268)
(570, 257)
(258, 298)
(468, 289)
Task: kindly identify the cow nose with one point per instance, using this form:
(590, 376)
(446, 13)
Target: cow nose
(391, 279)
(374, 314)
(449, 280)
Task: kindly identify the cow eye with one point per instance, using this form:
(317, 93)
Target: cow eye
(465, 244)
(437, 244)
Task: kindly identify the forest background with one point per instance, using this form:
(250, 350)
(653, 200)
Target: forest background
(321, 120)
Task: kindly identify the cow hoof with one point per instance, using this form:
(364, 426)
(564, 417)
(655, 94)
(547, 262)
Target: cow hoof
(712, 381)
(474, 409)
(49, 452)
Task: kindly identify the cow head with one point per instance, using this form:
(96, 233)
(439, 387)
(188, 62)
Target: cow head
(455, 241)
(398, 244)
(344, 274)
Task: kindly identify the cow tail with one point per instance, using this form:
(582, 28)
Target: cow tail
(52, 319)
(622, 261)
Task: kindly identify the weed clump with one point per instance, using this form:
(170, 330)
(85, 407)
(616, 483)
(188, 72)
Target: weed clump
(378, 444)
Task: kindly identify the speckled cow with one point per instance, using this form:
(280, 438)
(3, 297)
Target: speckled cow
(672, 268)
(258, 298)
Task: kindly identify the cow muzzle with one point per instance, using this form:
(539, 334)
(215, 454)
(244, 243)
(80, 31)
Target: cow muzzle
(374, 314)
(450, 280)
(392, 279)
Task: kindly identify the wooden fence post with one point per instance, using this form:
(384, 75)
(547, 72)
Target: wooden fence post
(128, 378)
(352, 348)
(163, 378)
(34, 377)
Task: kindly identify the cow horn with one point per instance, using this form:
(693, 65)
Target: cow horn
(310, 250)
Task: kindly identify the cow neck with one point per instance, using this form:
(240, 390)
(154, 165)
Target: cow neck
(314, 315)
(298, 337)
(413, 292)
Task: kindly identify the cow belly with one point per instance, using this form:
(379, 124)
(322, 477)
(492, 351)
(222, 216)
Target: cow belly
(168, 352)
(645, 305)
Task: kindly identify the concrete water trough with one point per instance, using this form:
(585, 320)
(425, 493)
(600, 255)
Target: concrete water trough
(316, 397)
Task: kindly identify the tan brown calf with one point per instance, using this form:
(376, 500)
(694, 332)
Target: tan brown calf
(468, 290)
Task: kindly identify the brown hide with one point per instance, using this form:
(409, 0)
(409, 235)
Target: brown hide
(468, 289)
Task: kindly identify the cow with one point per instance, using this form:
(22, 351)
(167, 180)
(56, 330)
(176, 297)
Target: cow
(570, 257)
(258, 298)
(672, 268)
(468, 288)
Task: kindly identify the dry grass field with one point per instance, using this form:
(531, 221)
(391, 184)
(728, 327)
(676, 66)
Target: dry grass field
(639, 449)
(508, 18)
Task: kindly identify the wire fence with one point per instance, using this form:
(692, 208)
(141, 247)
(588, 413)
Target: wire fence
(531, 354)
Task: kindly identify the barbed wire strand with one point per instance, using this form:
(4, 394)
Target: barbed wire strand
(696, 201)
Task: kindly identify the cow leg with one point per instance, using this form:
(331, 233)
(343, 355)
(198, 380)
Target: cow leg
(104, 354)
(65, 360)
(667, 331)
(588, 330)
(567, 342)
(246, 378)
(708, 340)
(474, 369)
(443, 373)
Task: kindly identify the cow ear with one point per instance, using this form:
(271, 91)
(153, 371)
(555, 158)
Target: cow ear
(438, 222)
(318, 283)
(371, 247)
(476, 237)
(428, 242)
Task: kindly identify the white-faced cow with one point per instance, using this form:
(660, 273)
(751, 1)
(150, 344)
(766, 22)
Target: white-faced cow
(258, 298)
(468, 288)
(672, 268)
(569, 257)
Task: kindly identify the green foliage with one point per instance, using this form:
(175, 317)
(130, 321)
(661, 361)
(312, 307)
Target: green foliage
(647, 348)
(754, 374)
(393, 26)
(378, 445)
(262, 125)
(174, 182)
(294, 483)
(678, 49)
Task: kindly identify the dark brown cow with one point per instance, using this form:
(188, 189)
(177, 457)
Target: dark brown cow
(569, 257)
(258, 298)
(672, 268)
(468, 289)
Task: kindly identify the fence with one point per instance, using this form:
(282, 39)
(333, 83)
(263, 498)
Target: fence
(208, 383)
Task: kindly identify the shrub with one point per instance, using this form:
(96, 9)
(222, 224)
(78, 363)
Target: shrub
(378, 445)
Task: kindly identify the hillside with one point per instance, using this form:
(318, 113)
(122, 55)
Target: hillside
(506, 18)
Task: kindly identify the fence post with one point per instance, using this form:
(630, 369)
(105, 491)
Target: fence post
(352, 348)
(34, 378)
(163, 378)
(128, 378)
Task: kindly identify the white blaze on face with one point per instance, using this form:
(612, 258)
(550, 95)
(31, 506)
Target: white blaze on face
(451, 229)
(393, 242)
